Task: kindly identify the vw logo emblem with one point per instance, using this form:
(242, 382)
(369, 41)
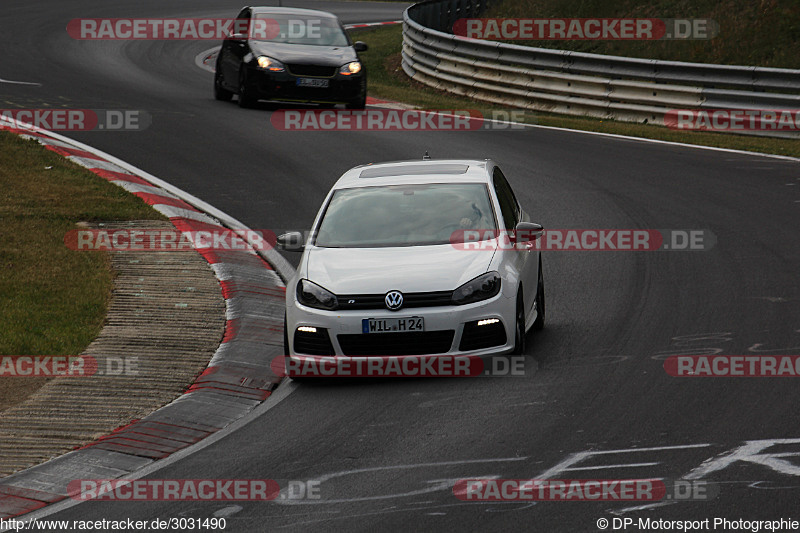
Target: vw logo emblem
(393, 300)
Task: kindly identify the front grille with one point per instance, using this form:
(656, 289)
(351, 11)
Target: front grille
(412, 299)
(312, 70)
(477, 337)
(403, 343)
(308, 343)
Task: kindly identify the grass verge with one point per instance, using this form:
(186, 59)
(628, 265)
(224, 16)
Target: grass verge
(54, 299)
(388, 81)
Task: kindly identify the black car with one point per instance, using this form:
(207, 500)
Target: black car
(294, 55)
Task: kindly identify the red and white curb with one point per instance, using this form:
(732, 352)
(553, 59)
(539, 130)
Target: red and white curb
(238, 377)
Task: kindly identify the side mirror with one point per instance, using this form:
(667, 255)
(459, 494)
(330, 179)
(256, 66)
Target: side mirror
(360, 46)
(292, 241)
(527, 232)
(238, 38)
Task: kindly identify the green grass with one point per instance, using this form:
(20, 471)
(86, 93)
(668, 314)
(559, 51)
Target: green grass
(387, 80)
(54, 300)
(762, 33)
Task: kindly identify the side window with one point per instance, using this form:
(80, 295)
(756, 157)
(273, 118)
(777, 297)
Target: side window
(505, 196)
(242, 23)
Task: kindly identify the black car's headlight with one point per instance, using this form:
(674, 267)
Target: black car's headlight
(267, 63)
(312, 295)
(481, 288)
(354, 67)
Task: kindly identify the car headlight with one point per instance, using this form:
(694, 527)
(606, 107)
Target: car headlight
(353, 67)
(481, 288)
(267, 63)
(312, 295)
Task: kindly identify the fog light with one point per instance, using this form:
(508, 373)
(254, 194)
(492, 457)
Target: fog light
(487, 321)
(307, 329)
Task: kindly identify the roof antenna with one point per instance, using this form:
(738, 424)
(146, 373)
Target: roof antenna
(426, 157)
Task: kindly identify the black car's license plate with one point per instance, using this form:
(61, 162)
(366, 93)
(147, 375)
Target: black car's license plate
(320, 83)
(391, 325)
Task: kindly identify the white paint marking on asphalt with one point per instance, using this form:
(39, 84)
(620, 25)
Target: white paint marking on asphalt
(567, 464)
(202, 59)
(434, 485)
(20, 82)
(603, 467)
(227, 511)
(750, 452)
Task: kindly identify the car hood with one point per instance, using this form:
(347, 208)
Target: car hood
(305, 54)
(407, 269)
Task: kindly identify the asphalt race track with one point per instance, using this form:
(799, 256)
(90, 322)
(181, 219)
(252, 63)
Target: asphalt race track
(387, 453)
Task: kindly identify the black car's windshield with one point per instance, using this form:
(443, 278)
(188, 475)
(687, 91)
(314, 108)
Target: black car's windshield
(298, 29)
(403, 215)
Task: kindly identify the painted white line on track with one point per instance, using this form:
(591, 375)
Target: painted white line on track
(20, 82)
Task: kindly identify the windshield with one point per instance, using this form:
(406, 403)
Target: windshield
(301, 29)
(403, 215)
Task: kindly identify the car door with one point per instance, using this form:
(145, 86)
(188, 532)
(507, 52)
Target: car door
(232, 53)
(524, 258)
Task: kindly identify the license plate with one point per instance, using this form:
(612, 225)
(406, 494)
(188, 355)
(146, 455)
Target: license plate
(312, 82)
(390, 325)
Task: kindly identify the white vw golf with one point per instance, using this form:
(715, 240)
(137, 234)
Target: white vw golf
(382, 273)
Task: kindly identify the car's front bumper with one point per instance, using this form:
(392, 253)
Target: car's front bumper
(282, 86)
(344, 328)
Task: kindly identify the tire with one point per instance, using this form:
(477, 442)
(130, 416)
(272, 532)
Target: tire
(358, 104)
(220, 93)
(246, 100)
(361, 101)
(519, 326)
(538, 324)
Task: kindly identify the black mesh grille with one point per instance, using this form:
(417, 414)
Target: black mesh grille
(405, 343)
(312, 70)
(477, 337)
(412, 299)
(308, 343)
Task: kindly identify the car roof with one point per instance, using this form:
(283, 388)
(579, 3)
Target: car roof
(290, 11)
(417, 171)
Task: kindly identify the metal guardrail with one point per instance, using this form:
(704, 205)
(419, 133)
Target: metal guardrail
(576, 83)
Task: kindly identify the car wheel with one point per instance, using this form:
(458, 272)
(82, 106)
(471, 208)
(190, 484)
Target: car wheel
(538, 324)
(519, 329)
(358, 103)
(245, 98)
(220, 93)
